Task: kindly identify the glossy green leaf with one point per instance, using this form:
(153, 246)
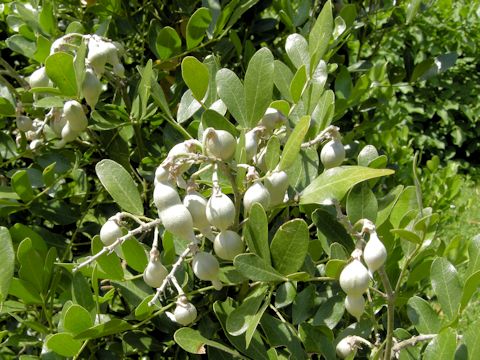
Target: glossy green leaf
(144, 87)
(119, 184)
(407, 235)
(304, 169)
(7, 259)
(230, 90)
(316, 341)
(21, 45)
(472, 283)
(473, 256)
(159, 98)
(258, 85)
(317, 84)
(281, 333)
(60, 69)
(30, 262)
(303, 305)
(386, 204)
(241, 318)
(109, 263)
(296, 47)
(334, 268)
(443, 346)
(330, 312)
(22, 186)
(282, 78)
(211, 118)
(289, 246)
(333, 231)
(298, 84)
(256, 233)
(334, 183)
(361, 203)
(256, 350)
(63, 344)
(25, 291)
(447, 286)
(135, 255)
(255, 268)
(272, 154)
(472, 340)
(6, 107)
(168, 43)
(111, 327)
(76, 319)
(422, 316)
(285, 295)
(320, 35)
(192, 341)
(187, 107)
(195, 75)
(82, 292)
(294, 143)
(196, 27)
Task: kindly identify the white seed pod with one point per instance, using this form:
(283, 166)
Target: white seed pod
(39, 78)
(251, 144)
(165, 196)
(228, 244)
(161, 175)
(205, 266)
(91, 87)
(354, 278)
(97, 55)
(261, 160)
(176, 152)
(74, 114)
(257, 193)
(185, 313)
(374, 253)
(35, 144)
(355, 305)
(220, 211)
(24, 123)
(154, 273)
(219, 143)
(332, 154)
(277, 185)
(69, 134)
(345, 347)
(272, 119)
(177, 220)
(197, 206)
(110, 232)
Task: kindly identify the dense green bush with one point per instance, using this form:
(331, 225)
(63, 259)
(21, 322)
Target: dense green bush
(144, 111)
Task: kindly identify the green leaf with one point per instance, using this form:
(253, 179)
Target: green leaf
(272, 153)
(289, 246)
(296, 47)
(334, 268)
(211, 118)
(30, 262)
(472, 340)
(281, 333)
(330, 312)
(472, 283)
(76, 319)
(407, 235)
(188, 107)
(112, 327)
(230, 90)
(6, 107)
(159, 98)
(320, 35)
(60, 69)
(7, 259)
(473, 256)
(294, 143)
(47, 20)
(442, 346)
(25, 291)
(285, 295)
(79, 65)
(192, 341)
(195, 75)
(144, 87)
(168, 43)
(196, 27)
(22, 186)
(240, 319)
(256, 233)
(303, 305)
(21, 45)
(258, 85)
(255, 268)
(316, 341)
(135, 254)
(109, 263)
(334, 183)
(63, 344)
(361, 204)
(282, 78)
(422, 316)
(119, 184)
(332, 230)
(298, 84)
(386, 204)
(82, 292)
(447, 286)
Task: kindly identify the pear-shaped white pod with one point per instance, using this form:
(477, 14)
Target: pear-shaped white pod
(205, 266)
(110, 232)
(219, 143)
(355, 305)
(39, 78)
(97, 55)
(36, 143)
(251, 144)
(185, 313)
(91, 87)
(177, 220)
(228, 244)
(345, 347)
(272, 119)
(197, 206)
(220, 211)
(332, 154)
(74, 114)
(161, 175)
(257, 193)
(155, 273)
(374, 253)
(277, 185)
(354, 278)
(24, 123)
(165, 196)
(69, 134)
(178, 152)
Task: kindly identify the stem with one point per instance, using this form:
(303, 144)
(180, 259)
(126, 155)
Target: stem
(412, 341)
(390, 312)
(12, 72)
